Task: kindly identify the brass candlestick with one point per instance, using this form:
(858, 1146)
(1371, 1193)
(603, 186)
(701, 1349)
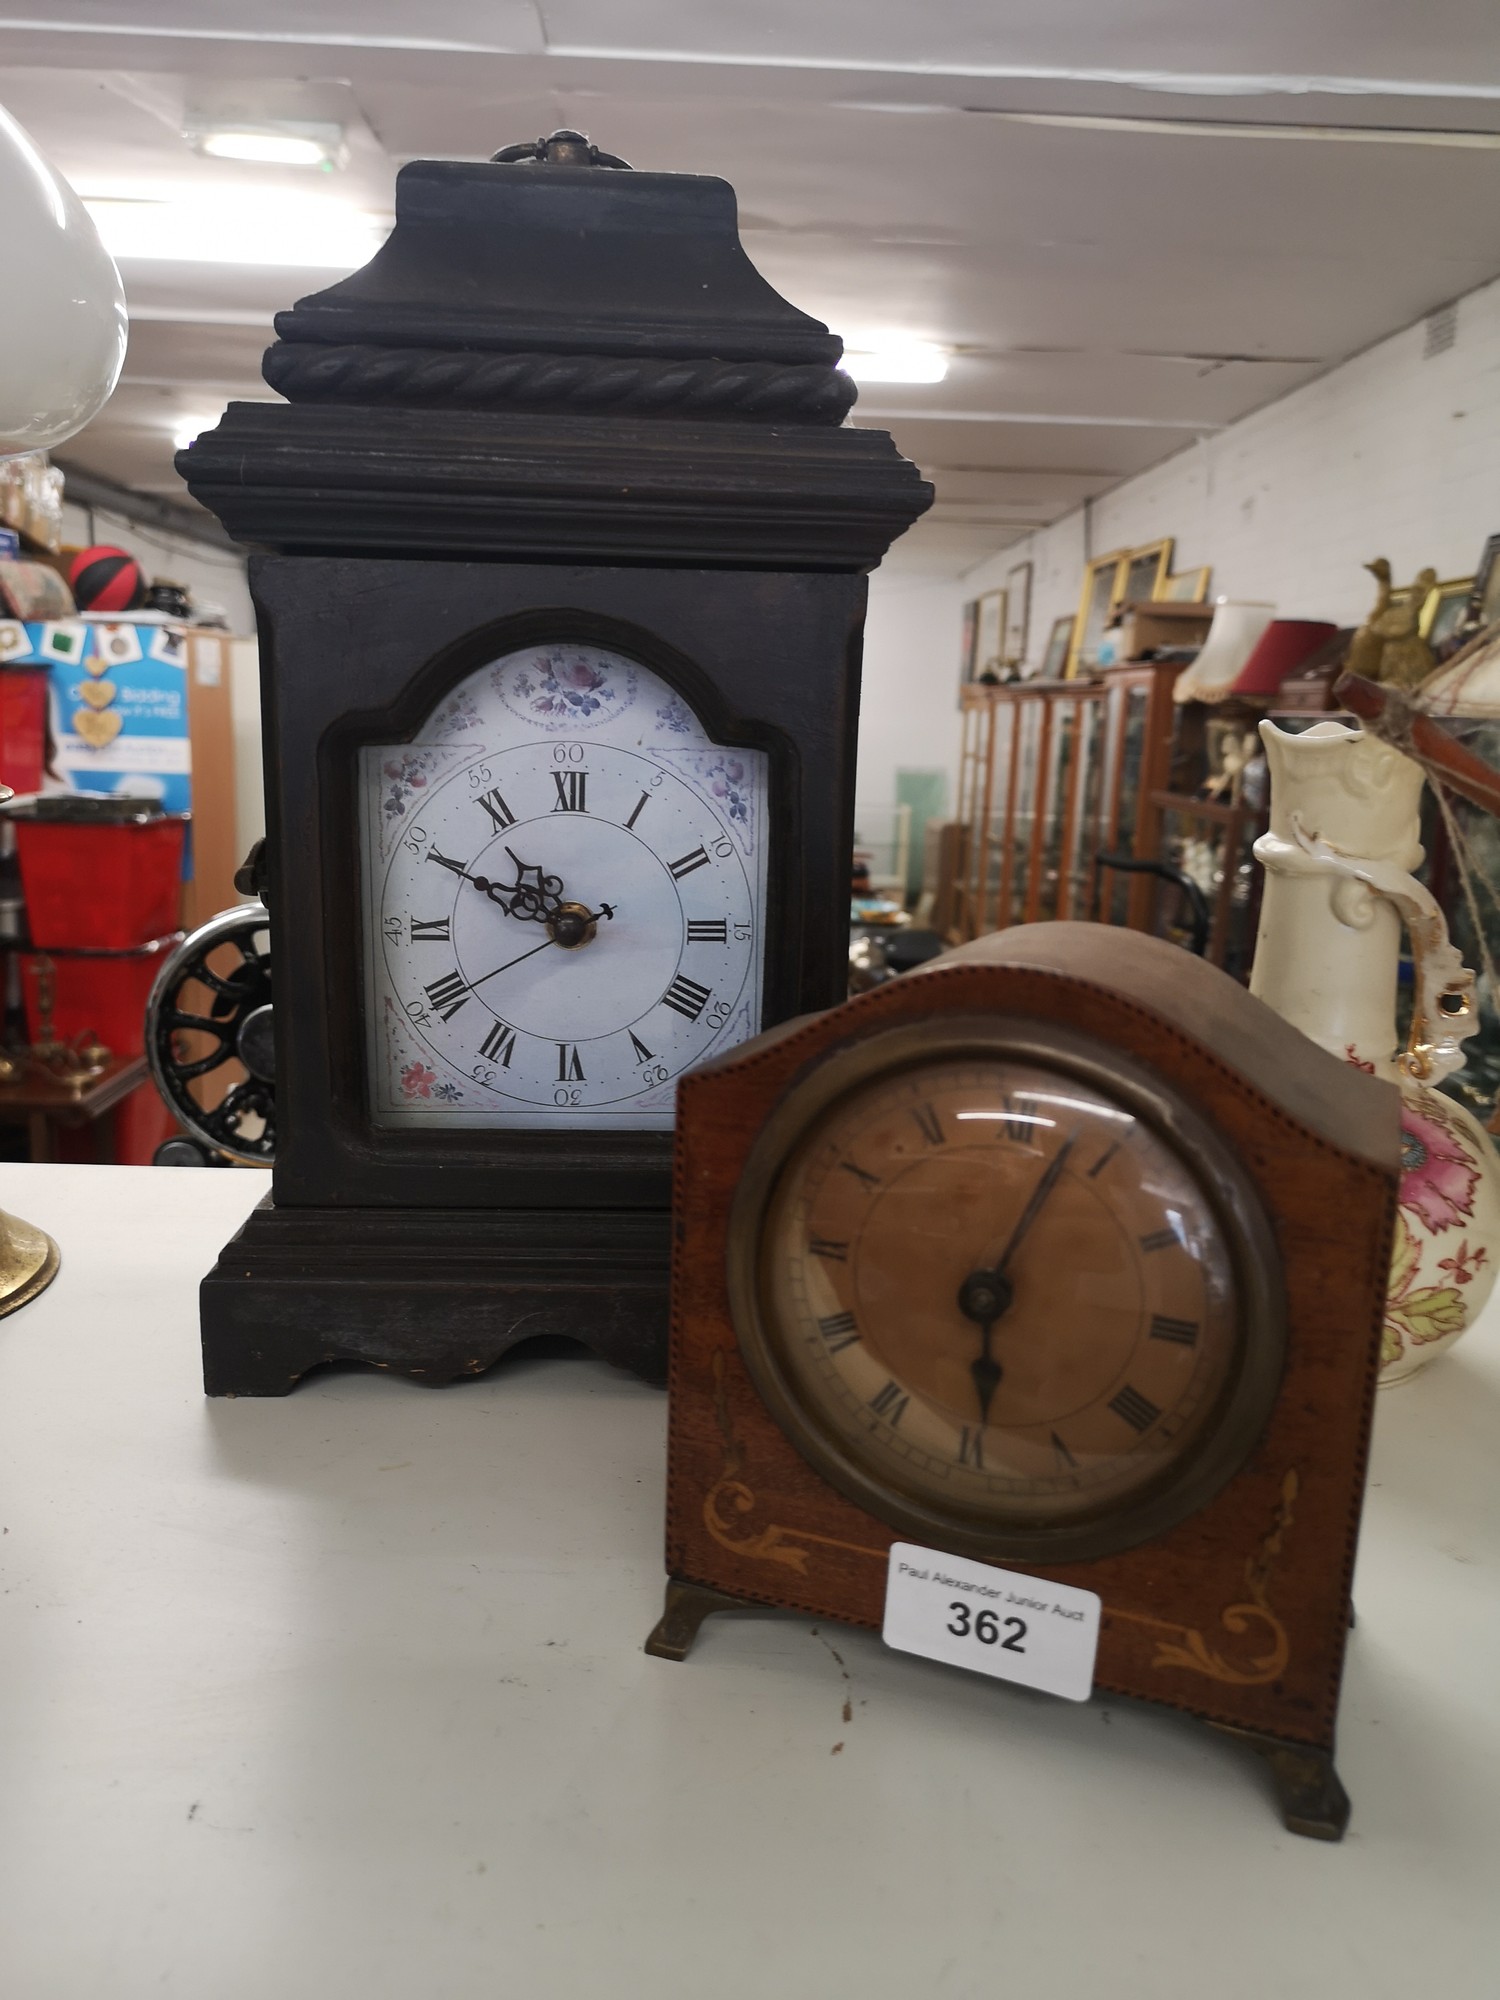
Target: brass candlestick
(29, 1259)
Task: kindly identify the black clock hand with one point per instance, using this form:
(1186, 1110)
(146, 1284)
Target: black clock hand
(529, 902)
(985, 1296)
(586, 917)
(1039, 1195)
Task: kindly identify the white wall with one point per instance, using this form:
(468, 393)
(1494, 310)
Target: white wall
(1389, 454)
(908, 716)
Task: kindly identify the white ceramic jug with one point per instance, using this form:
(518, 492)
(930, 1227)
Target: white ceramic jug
(1338, 858)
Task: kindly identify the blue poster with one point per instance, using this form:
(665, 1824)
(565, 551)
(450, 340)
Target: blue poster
(118, 707)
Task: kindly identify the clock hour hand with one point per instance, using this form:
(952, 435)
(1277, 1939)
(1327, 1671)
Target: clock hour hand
(533, 898)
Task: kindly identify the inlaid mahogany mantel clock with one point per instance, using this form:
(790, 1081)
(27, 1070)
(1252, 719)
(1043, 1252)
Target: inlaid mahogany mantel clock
(1064, 1255)
(561, 556)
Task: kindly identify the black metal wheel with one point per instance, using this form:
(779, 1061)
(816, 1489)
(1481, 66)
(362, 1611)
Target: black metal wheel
(211, 1007)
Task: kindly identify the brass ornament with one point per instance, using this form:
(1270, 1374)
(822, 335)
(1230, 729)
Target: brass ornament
(29, 1261)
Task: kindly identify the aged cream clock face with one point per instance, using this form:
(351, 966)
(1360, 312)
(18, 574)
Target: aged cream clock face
(564, 883)
(991, 1294)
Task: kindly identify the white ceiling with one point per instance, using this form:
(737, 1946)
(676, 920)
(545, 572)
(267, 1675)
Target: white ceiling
(990, 174)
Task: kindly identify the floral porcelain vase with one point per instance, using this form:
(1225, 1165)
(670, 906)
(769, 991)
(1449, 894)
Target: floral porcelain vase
(1338, 857)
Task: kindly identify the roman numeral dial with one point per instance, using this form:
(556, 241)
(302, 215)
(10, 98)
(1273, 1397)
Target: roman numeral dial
(1000, 1295)
(564, 882)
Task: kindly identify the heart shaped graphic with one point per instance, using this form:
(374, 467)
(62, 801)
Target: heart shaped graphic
(96, 664)
(96, 729)
(98, 694)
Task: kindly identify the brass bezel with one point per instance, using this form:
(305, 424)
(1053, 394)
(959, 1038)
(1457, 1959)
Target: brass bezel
(1246, 1402)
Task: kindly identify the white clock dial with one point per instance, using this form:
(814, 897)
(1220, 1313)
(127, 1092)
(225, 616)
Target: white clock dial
(564, 896)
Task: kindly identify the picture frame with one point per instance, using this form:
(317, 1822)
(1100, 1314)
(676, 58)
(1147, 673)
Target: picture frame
(1145, 571)
(1189, 587)
(1059, 644)
(1445, 610)
(967, 633)
(989, 636)
(1102, 577)
(1017, 613)
(1484, 599)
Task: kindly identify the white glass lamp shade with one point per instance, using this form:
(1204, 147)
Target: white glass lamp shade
(1232, 638)
(62, 342)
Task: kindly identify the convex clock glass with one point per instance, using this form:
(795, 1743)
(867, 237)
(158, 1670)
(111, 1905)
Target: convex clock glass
(1005, 1294)
(564, 889)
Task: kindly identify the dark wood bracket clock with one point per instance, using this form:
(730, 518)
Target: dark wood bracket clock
(1064, 1254)
(561, 546)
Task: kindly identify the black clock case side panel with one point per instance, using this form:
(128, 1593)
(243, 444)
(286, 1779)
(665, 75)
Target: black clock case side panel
(359, 650)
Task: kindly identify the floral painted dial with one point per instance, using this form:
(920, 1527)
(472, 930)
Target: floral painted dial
(564, 890)
(998, 1292)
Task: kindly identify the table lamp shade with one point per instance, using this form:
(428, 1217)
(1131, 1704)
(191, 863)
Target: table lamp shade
(1280, 650)
(1232, 638)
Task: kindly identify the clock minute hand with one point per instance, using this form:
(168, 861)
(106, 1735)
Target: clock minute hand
(986, 1295)
(1035, 1205)
(591, 916)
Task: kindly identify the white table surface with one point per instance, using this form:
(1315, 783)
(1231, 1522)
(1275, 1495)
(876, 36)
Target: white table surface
(342, 1694)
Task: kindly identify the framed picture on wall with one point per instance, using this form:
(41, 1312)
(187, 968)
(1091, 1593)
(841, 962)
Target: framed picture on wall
(1146, 571)
(989, 637)
(1017, 613)
(968, 633)
(1100, 578)
(1484, 600)
(1190, 587)
(1059, 640)
(1444, 612)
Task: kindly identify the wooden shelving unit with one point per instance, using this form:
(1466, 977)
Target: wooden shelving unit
(1053, 774)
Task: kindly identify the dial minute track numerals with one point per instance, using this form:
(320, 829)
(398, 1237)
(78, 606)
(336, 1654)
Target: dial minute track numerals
(615, 833)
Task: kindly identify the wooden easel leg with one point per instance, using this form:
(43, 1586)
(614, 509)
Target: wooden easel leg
(686, 1607)
(1313, 1802)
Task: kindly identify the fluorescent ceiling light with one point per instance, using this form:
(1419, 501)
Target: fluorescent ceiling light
(896, 361)
(278, 231)
(270, 149)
